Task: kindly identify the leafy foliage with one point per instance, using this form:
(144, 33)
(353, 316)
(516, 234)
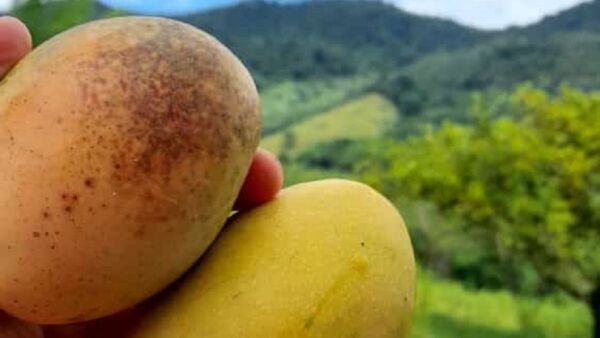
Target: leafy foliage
(46, 19)
(528, 187)
(339, 154)
(405, 93)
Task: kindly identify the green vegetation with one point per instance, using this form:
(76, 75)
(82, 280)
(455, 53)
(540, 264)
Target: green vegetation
(445, 81)
(582, 18)
(329, 38)
(448, 310)
(48, 19)
(363, 118)
(525, 187)
(290, 101)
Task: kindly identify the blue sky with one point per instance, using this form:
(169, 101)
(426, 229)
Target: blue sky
(487, 14)
(167, 7)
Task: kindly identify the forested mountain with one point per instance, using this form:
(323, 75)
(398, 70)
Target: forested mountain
(583, 18)
(329, 38)
(563, 49)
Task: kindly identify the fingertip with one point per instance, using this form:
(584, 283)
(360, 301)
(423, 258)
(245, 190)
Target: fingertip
(15, 42)
(271, 163)
(18, 27)
(263, 181)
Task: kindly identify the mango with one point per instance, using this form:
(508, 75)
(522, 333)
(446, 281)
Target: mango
(123, 143)
(326, 259)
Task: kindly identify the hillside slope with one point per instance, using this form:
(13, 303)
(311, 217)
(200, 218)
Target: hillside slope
(363, 118)
(582, 18)
(560, 50)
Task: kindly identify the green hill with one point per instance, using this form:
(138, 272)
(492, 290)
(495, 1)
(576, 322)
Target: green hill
(364, 118)
(561, 49)
(447, 79)
(288, 102)
(329, 38)
(582, 18)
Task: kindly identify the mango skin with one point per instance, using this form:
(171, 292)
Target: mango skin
(123, 144)
(326, 259)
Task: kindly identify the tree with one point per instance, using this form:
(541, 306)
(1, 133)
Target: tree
(48, 18)
(404, 92)
(528, 184)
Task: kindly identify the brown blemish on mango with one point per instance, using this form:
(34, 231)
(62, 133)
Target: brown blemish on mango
(178, 111)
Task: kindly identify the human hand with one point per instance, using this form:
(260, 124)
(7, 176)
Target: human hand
(263, 181)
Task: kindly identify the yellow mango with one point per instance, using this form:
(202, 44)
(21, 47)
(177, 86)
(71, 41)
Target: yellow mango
(326, 259)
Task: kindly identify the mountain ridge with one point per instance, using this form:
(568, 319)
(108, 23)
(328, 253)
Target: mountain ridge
(328, 37)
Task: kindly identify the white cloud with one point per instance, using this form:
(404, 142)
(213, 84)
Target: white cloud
(488, 14)
(5, 5)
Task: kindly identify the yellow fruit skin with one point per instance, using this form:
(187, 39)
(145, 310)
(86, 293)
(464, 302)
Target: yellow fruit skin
(326, 259)
(123, 145)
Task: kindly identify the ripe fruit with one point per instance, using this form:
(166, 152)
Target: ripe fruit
(123, 144)
(326, 259)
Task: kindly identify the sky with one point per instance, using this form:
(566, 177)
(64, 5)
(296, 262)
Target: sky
(488, 14)
(167, 7)
(4, 5)
(485, 14)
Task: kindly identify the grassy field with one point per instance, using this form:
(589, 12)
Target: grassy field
(289, 102)
(448, 310)
(366, 117)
